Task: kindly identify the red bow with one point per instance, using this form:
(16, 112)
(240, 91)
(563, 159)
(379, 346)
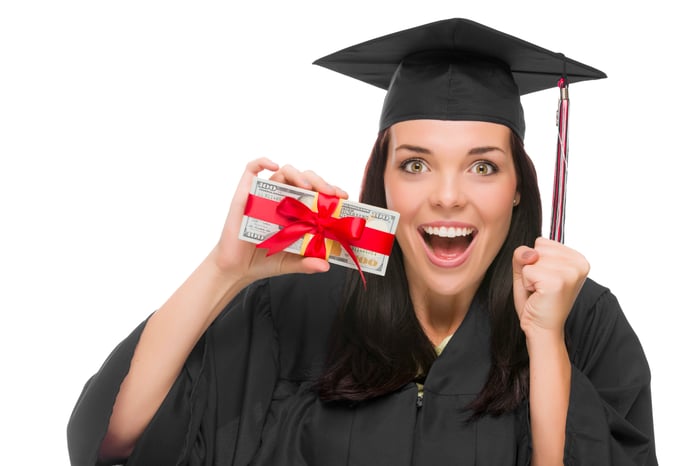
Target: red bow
(321, 224)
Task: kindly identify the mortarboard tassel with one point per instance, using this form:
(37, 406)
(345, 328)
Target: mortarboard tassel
(556, 231)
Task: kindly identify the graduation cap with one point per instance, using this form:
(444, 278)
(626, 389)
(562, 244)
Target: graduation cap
(457, 69)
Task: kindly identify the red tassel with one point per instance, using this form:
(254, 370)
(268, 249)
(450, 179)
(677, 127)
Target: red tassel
(556, 231)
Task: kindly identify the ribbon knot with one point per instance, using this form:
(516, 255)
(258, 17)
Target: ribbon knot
(321, 224)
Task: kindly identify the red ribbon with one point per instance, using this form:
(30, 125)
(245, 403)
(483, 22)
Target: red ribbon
(297, 220)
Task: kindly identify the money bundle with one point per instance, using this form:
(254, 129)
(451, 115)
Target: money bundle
(372, 249)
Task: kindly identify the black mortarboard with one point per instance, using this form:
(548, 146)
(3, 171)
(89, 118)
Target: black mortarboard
(455, 69)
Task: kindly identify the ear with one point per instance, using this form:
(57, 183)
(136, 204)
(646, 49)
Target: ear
(516, 200)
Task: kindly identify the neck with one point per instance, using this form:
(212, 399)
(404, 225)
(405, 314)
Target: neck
(440, 315)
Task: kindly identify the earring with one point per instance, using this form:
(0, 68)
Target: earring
(515, 202)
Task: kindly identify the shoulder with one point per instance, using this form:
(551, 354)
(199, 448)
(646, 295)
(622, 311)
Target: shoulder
(317, 294)
(303, 310)
(598, 330)
(304, 306)
(291, 315)
(285, 298)
(595, 307)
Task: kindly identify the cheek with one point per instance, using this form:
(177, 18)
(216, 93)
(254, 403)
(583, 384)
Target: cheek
(496, 205)
(402, 199)
(392, 194)
(389, 196)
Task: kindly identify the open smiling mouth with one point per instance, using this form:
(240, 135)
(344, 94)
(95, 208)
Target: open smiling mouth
(447, 243)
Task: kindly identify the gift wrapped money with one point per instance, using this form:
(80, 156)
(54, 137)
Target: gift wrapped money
(280, 217)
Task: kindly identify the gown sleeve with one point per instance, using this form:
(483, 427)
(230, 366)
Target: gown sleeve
(214, 411)
(609, 421)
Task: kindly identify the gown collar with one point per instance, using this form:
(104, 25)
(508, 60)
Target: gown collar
(465, 361)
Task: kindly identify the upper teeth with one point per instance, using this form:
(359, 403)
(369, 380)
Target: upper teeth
(449, 232)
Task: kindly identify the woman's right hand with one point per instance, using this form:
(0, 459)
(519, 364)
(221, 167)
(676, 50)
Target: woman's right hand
(240, 259)
(173, 330)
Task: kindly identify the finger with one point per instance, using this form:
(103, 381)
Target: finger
(340, 192)
(307, 179)
(523, 256)
(319, 184)
(260, 164)
(522, 287)
(253, 169)
(292, 263)
(553, 266)
(561, 259)
(290, 175)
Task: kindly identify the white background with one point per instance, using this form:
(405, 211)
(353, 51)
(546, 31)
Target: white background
(124, 127)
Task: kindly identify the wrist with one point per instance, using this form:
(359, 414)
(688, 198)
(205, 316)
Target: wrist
(544, 340)
(223, 274)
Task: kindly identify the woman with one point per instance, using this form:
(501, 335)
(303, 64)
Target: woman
(482, 345)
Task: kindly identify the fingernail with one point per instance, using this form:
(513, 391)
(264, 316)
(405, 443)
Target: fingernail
(527, 255)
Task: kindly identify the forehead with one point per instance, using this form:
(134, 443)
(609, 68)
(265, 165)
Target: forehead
(447, 133)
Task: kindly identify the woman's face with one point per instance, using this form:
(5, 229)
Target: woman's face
(454, 184)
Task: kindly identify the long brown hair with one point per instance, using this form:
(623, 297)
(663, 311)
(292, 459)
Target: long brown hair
(378, 345)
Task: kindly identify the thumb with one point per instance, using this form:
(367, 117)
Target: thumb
(522, 289)
(293, 263)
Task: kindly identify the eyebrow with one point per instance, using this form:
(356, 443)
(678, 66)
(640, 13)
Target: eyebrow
(474, 151)
(412, 148)
(485, 149)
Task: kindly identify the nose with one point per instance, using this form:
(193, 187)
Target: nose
(449, 192)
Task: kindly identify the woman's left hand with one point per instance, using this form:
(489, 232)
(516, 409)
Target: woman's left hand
(546, 282)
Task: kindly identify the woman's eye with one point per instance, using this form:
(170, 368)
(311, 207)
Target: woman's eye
(483, 168)
(414, 166)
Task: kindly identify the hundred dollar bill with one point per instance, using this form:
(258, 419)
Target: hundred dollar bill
(256, 230)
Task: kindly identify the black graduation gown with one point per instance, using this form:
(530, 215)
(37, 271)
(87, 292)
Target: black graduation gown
(244, 394)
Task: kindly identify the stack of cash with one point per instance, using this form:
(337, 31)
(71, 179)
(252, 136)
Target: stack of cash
(256, 231)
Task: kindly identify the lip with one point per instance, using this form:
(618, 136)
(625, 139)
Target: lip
(455, 261)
